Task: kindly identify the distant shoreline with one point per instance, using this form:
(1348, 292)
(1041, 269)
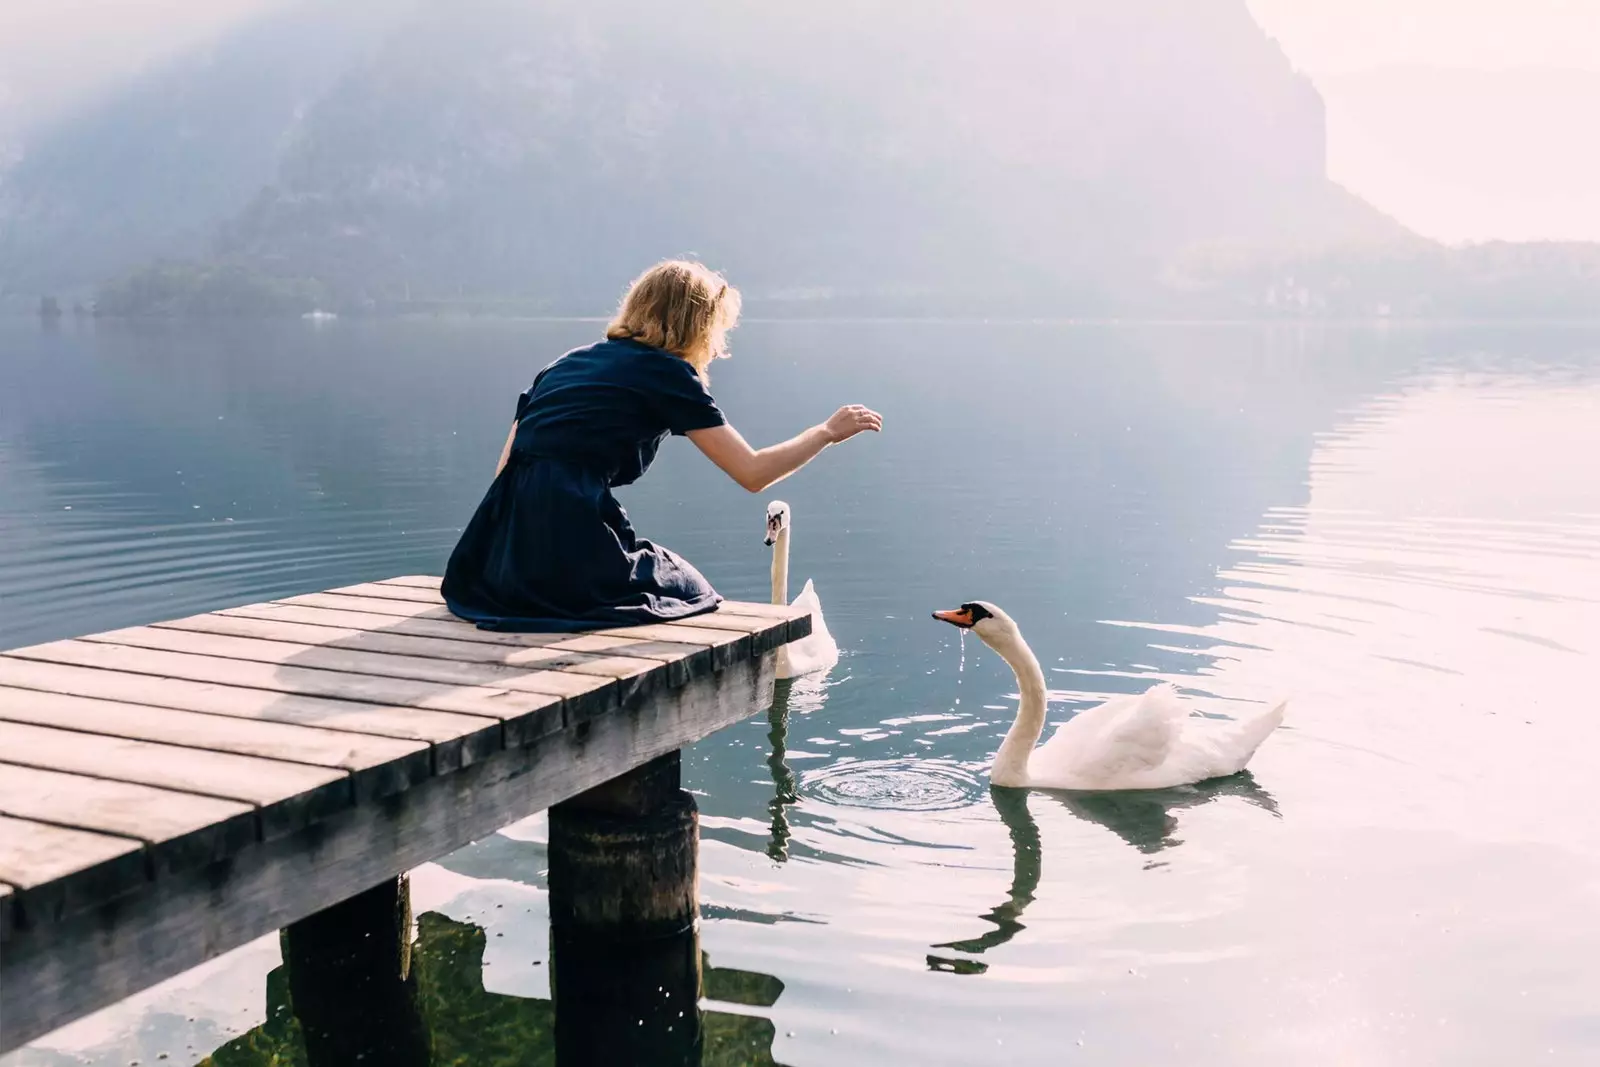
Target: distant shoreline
(70, 322)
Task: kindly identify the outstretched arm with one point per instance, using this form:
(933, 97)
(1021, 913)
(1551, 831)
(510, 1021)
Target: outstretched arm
(756, 469)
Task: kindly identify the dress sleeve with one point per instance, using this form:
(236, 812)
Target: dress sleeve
(525, 399)
(683, 400)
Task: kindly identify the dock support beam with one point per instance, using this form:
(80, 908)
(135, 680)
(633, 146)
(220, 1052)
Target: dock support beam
(624, 920)
(351, 983)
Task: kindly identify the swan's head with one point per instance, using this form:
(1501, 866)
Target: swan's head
(983, 619)
(777, 520)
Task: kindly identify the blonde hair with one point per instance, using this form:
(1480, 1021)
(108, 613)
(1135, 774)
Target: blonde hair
(683, 307)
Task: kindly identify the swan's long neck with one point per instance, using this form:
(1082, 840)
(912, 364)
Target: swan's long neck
(1011, 762)
(780, 568)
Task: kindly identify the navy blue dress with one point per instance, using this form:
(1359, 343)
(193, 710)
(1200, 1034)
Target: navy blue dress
(550, 548)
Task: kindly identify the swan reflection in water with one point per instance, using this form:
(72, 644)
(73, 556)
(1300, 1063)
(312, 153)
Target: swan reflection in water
(1143, 818)
(801, 696)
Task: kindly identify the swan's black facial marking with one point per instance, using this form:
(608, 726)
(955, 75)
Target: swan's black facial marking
(977, 613)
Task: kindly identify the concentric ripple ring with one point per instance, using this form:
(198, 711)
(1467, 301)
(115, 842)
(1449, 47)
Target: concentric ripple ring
(894, 785)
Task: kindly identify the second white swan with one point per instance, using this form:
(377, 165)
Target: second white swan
(818, 652)
(1149, 741)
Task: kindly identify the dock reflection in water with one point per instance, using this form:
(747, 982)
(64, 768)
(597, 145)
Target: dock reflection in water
(467, 1026)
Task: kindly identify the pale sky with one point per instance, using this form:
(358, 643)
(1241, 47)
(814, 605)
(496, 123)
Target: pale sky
(1497, 145)
(1423, 147)
(1330, 36)
(52, 50)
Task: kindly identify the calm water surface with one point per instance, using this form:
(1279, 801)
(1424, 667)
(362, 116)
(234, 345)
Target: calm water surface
(1400, 531)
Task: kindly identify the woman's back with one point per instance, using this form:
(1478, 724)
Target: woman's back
(611, 404)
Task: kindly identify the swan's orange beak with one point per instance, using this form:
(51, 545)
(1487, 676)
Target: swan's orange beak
(959, 617)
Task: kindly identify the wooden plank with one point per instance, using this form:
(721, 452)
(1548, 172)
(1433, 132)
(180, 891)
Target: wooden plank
(758, 609)
(743, 624)
(289, 795)
(592, 683)
(389, 591)
(416, 581)
(796, 626)
(418, 589)
(60, 870)
(541, 657)
(524, 715)
(726, 647)
(65, 970)
(403, 609)
(695, 658)
(661, 651)
(570, 685)
(179, 830)
(456, 740)
(387, 642)
(375, 765)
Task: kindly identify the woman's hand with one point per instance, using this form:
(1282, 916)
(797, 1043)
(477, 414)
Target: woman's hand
(757, 470)
(851, 420)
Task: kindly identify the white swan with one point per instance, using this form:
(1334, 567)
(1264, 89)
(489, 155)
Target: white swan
(818, 652)
(1148, 741)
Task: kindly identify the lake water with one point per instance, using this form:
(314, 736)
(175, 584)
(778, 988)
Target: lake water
(1398, 530)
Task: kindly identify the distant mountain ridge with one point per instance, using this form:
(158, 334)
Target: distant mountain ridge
(153, 167)
(837, 153)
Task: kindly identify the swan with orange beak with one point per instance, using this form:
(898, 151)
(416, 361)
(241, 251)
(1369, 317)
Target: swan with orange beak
(1148, 741)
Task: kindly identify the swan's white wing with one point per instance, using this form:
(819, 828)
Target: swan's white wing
(1225, 748)
(1113, 745)
(816, 652)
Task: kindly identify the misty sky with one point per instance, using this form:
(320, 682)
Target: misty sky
(1492, 147)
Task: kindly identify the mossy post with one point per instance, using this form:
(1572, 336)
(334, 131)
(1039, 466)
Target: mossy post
(351, 984)
(624, 920)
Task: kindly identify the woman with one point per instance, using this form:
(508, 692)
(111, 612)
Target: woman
(550, 548)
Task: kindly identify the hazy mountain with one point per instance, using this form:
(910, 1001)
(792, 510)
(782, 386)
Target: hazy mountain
(153, 166)
(864, 151)
(842, 147)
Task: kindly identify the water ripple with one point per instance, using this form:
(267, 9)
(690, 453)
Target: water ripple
(894, 785)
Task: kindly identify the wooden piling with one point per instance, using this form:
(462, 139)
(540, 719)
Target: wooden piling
(351, 984)
(624, 920)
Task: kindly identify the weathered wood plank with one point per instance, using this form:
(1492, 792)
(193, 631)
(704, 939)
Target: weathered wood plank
(403, 609)
(525, 715)
(419, 589)
(572, 686)
(798, 625)
(423, 589)
(60, 870)
(756, 608)
(375, 765)
(63, 971)
(715, 620)
(456, 739)
(390, 591)
(289, 795)
(353, 613)
(694, 658)
(179, 830)
(378, 640)
(726, 647)
(416, 581)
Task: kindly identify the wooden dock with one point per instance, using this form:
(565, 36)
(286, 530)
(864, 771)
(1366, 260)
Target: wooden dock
(173, 791)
